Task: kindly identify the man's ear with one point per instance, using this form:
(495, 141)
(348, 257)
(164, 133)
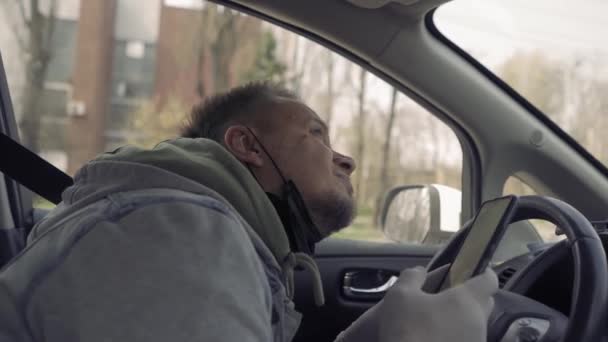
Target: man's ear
(241, 143)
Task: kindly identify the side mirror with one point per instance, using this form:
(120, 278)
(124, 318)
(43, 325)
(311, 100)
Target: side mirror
(421, 214)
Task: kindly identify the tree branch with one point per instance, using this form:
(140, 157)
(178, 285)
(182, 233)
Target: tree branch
(21, 7)
(7, 10)
(19, 37)
(50, 27)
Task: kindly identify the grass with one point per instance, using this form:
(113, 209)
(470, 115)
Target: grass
(362, 228)
(42, 203)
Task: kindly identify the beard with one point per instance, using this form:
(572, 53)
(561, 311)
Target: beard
(331, 212)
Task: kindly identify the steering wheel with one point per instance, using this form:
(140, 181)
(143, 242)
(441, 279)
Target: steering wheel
(518, 318)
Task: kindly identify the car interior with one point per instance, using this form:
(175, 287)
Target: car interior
(554, 291)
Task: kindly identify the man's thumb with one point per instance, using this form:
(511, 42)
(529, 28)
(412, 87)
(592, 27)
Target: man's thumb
(483, 285)
(412, 278)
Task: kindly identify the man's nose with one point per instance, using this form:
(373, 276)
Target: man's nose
(346, 163)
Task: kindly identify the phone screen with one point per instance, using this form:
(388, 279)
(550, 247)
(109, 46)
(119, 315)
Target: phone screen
(481, 241)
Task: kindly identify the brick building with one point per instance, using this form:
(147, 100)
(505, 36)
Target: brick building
(109, 57)
(113, 72)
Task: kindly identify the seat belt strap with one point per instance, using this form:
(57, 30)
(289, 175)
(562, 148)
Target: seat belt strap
(30, 170)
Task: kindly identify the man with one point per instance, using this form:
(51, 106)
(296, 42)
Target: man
(196, 240)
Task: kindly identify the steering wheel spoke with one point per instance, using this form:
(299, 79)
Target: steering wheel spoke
(520, 319)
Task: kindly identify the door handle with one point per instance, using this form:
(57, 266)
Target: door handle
(367, 284)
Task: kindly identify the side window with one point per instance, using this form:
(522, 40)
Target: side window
(545, 229)
(161, 57)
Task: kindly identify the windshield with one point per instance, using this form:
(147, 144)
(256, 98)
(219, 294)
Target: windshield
(553, 52)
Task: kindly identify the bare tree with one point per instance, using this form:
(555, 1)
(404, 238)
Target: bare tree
(590, 114)
(435, 142)
(386, 148)
(388, 131)
(33, 31)
(330, 91)
(572, 93)
(361, 125)
(299, 76)
(539, 79)
(226, 49)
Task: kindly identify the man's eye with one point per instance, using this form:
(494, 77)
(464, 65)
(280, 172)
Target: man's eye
(316, 131)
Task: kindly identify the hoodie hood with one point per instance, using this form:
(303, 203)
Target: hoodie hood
(193, 165)
(198, 166)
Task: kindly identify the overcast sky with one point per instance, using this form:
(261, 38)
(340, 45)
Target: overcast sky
(496, 28)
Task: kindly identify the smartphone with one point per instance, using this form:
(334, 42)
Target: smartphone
(481, 241)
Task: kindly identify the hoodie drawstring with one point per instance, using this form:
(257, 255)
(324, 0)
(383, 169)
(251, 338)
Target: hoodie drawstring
(305, 261)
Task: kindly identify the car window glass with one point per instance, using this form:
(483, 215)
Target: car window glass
(109, 73)
(515, 186)
(553, 52)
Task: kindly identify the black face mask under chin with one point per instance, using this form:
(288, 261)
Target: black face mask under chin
(301, 230)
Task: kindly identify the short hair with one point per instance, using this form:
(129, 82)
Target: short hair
(212, 116)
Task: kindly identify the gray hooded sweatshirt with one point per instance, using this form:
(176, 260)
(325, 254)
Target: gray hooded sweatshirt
(177, 243)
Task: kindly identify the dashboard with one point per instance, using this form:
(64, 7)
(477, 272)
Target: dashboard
(545, 275)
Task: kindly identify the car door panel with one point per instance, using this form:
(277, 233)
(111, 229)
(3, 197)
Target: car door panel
(336, 258)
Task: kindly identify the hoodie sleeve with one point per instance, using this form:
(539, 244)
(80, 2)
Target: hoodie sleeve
(165, 272)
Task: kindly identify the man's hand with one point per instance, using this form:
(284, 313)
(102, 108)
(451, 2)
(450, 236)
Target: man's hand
(408, 314)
